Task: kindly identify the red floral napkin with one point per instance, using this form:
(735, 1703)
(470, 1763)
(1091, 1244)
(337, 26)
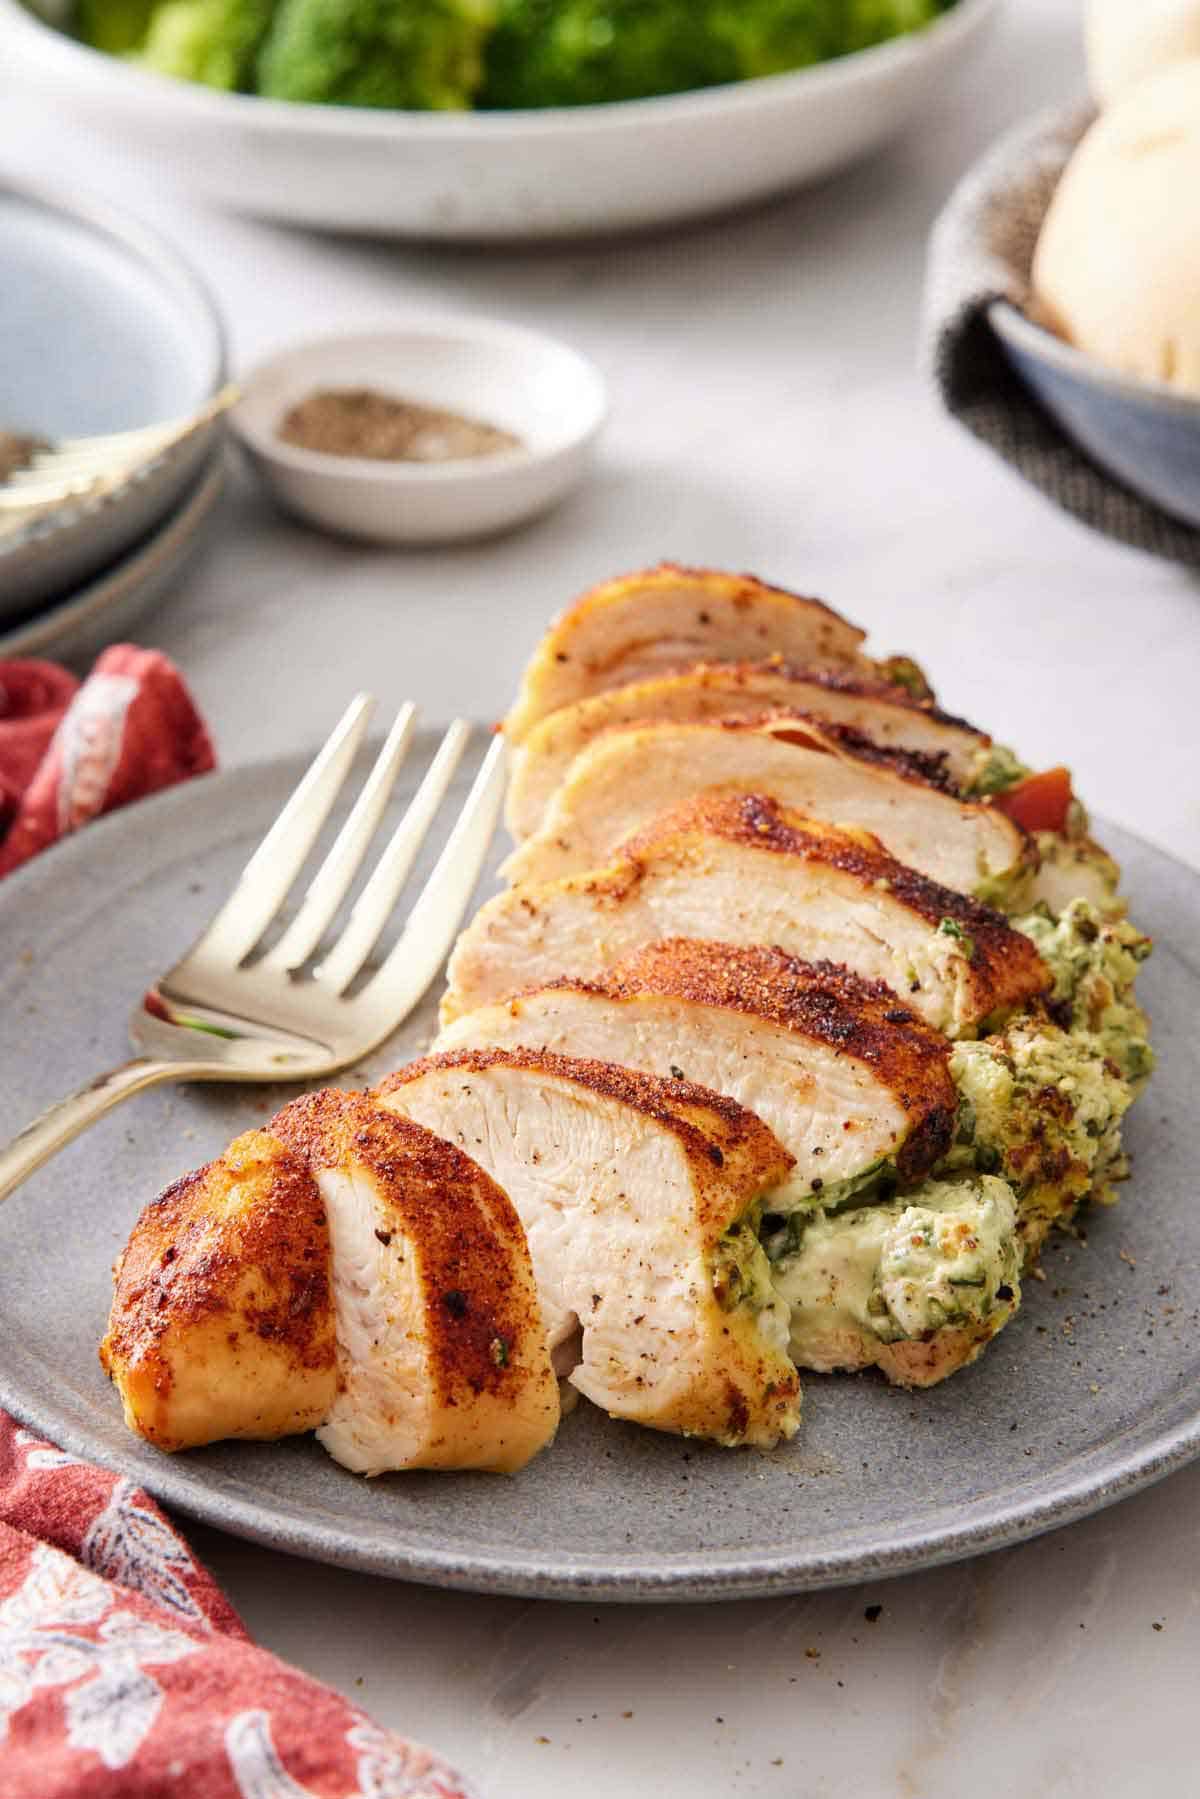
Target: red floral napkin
(68, 753)
(126, 1674)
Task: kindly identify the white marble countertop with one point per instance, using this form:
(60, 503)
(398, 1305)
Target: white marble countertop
(767, 415)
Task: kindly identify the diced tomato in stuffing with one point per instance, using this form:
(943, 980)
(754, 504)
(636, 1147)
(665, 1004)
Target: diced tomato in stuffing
(1039, 802)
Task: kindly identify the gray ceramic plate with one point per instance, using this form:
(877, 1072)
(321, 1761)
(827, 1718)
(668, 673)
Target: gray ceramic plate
(106, 608)
(87, 289)
(1093, 1392)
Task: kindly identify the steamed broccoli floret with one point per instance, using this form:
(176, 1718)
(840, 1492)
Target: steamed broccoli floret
(211, 41)
(117, 26)
(768, 37)
(404, 53)
(453, 54)
(872, 21)
(579, 52)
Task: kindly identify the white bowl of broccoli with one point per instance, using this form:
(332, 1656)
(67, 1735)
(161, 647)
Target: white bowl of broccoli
(492, 119)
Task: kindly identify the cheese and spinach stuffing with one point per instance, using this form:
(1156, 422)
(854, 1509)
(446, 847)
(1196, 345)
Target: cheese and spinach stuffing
(943, 1257)
(1037, 1133)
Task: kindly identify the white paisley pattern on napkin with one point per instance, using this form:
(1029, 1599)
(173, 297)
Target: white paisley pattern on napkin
(124, 1671)
(132, 1543)
(112, 1701)
(89, 742)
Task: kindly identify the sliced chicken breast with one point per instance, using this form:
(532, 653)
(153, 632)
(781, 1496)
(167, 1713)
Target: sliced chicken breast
(627, 777)
(879, 709)
(442, 1352)
(646, 623)
(222, 1320)
(856, 1089)
(743, 870)
(640, 1199)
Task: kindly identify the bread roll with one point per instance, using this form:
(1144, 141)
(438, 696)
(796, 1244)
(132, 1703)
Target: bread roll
(1117, 268)
(1127, 40)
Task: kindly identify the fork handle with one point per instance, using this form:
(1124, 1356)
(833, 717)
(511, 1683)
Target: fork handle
(64, 1122)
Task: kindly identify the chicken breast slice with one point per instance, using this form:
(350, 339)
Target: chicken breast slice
(917, 1286)
(627, 777)
(222, 1321)
(743, 870)
(442, 1353)
(640, 1199)
(856, 1088)
(879, 709)
(658, 618)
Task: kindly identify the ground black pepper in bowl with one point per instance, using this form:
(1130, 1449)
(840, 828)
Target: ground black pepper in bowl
(360, 421)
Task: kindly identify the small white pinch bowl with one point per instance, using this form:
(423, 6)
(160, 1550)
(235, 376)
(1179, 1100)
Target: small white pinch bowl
(542, 391)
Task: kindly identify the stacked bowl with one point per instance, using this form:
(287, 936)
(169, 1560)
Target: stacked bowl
(105, 330)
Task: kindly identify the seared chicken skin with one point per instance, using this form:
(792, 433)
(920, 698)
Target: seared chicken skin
(744, 870)
(882, 711)
(442, 1352)
(659, 618)
(640, 1200)
(627, 777)
(344, 1271)
(853, 1086)
(222, 1321)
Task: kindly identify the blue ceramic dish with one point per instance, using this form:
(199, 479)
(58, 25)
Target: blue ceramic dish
(104, 328)
(1144, 433)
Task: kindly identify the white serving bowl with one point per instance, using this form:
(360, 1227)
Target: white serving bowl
(548, 395)
(561, 172)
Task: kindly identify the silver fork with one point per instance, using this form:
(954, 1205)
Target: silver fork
(219, 1015)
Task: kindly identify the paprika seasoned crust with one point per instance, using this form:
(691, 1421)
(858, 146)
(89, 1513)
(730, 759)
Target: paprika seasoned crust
(849, 1081)
(739, 868)
(626, 777)
(222, 1321)
(442, 1353)
(715, 1130)
(654, 620)
(640, 1201)
(884, 712)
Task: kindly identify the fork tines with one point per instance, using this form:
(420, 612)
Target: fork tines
(256, 902)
